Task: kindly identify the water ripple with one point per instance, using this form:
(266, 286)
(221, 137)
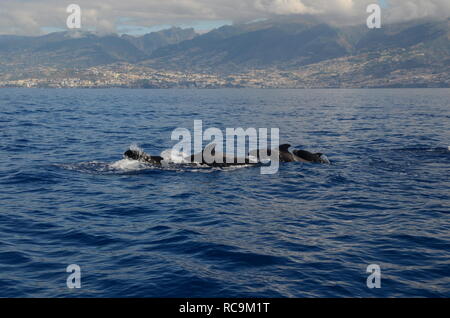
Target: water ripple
(140, 231)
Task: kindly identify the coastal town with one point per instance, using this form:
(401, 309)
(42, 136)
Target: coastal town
(345, 72)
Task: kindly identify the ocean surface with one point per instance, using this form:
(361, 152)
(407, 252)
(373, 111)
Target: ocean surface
(310, 230)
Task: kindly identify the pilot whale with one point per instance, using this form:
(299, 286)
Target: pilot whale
(285, 155)
(300, 155)
(306, 156)
(208, 154)
(142, 156)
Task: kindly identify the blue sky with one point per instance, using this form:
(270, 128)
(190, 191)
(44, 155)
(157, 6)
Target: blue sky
(383, 3)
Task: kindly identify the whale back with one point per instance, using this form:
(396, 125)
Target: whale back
(285, 147)
(308, 156)
(142, 156)
(132, 154)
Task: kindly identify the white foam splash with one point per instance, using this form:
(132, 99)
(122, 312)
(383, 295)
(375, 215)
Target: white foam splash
(128, 165)
(135, 147)
(253, 158)
(325, 159)
(173, 156)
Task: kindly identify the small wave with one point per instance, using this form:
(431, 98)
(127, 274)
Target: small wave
(425, 149)
(13, 258)
(121, 166)
(126, 166)
(26, 177)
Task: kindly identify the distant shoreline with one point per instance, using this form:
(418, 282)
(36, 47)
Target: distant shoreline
(228, 88)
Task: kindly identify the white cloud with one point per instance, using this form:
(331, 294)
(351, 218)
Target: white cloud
(283, 6)
(29, 16)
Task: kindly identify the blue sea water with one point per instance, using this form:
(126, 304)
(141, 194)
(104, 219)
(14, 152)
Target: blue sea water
(308, 231)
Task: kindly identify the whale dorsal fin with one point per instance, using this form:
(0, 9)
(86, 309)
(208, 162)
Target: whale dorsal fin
(285, 147)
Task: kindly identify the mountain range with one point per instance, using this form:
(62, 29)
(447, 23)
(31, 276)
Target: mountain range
(414, 53)
(76, 49)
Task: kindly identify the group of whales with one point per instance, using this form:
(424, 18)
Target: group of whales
(254, 157)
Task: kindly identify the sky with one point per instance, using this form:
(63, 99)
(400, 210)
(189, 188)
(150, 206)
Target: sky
(33, 17)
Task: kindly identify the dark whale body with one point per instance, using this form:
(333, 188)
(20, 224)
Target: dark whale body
(226, 160)
(295, 156)
(142, 156)
(285, 155)
(300, 155)
(308, 156)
